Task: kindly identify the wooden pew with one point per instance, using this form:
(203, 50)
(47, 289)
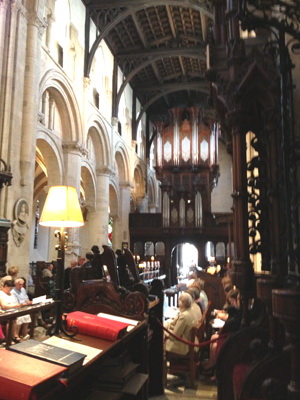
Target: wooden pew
(94, 296)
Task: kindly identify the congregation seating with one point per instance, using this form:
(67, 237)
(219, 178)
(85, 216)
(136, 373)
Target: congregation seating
(188, 365)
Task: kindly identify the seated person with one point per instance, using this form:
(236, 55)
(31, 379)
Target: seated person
(232, 324)
(8, 301)
(12, 273)
(48, 271)
(21, 297)
(223, 314)
(195, 294)
(181, 326)
(87, 266)
(203, 299)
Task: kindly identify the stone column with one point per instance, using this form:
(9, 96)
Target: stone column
(31, 97)
(98, 219)
(21, 73)
(72, 172)
(13, 48)
(121, 225)
(3, 26)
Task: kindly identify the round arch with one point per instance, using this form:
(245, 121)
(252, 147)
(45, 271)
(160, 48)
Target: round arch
(122, 163)
(98, 145)
(59, 87)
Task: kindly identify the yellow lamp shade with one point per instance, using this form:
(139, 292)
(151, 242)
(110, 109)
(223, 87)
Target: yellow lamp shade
(62, 208)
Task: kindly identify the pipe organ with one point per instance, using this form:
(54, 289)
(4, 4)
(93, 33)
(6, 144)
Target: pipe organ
(187, 166)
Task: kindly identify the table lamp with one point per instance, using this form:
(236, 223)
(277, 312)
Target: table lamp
(61, 210)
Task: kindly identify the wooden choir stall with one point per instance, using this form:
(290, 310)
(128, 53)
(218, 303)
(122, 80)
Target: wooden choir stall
(128, 367)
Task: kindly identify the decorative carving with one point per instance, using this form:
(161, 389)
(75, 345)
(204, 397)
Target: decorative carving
(96, 296)
(75, 147)
(20, 224)
(35, 20)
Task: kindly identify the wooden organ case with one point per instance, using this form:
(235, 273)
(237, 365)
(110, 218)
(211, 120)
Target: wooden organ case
(187, 168)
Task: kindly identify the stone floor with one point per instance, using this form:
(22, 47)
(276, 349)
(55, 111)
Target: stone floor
(206, 390)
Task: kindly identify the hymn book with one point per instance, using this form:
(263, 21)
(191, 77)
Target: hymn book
(93, 325)
(89, 352)
(57, 355)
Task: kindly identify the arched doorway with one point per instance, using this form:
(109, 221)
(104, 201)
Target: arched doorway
(184, 257)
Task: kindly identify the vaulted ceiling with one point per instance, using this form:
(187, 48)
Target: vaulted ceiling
(160, 47)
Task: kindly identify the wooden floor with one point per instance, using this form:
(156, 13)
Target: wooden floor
(176, 389)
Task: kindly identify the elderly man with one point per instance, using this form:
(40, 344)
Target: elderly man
(181, 326)
(47, 272)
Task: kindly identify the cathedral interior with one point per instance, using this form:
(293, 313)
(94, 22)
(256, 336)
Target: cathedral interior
(178, 124)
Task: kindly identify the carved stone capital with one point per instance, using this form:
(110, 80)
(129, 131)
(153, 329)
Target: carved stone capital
(74, 147)
(36, 20)
(104, 171)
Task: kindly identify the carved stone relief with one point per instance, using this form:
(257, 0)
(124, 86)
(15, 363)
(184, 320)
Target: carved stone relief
(20, 223)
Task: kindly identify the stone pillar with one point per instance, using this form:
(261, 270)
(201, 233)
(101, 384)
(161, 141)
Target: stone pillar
(3, 26)
(21, 72)
(98, 219)
(12, 47)
(121, 225)
(72, 172)
(31, 95)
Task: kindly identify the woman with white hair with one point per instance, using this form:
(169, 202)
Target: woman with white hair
(21, 297)
(181, 326)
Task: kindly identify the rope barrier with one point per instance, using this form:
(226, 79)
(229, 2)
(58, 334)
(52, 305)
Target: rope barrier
(202, 344)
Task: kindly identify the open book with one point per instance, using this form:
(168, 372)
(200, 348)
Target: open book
(41, 299)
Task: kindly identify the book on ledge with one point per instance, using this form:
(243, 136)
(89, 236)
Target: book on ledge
(90, 352)
(57, 355)
(22, 377)
(93, 325)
